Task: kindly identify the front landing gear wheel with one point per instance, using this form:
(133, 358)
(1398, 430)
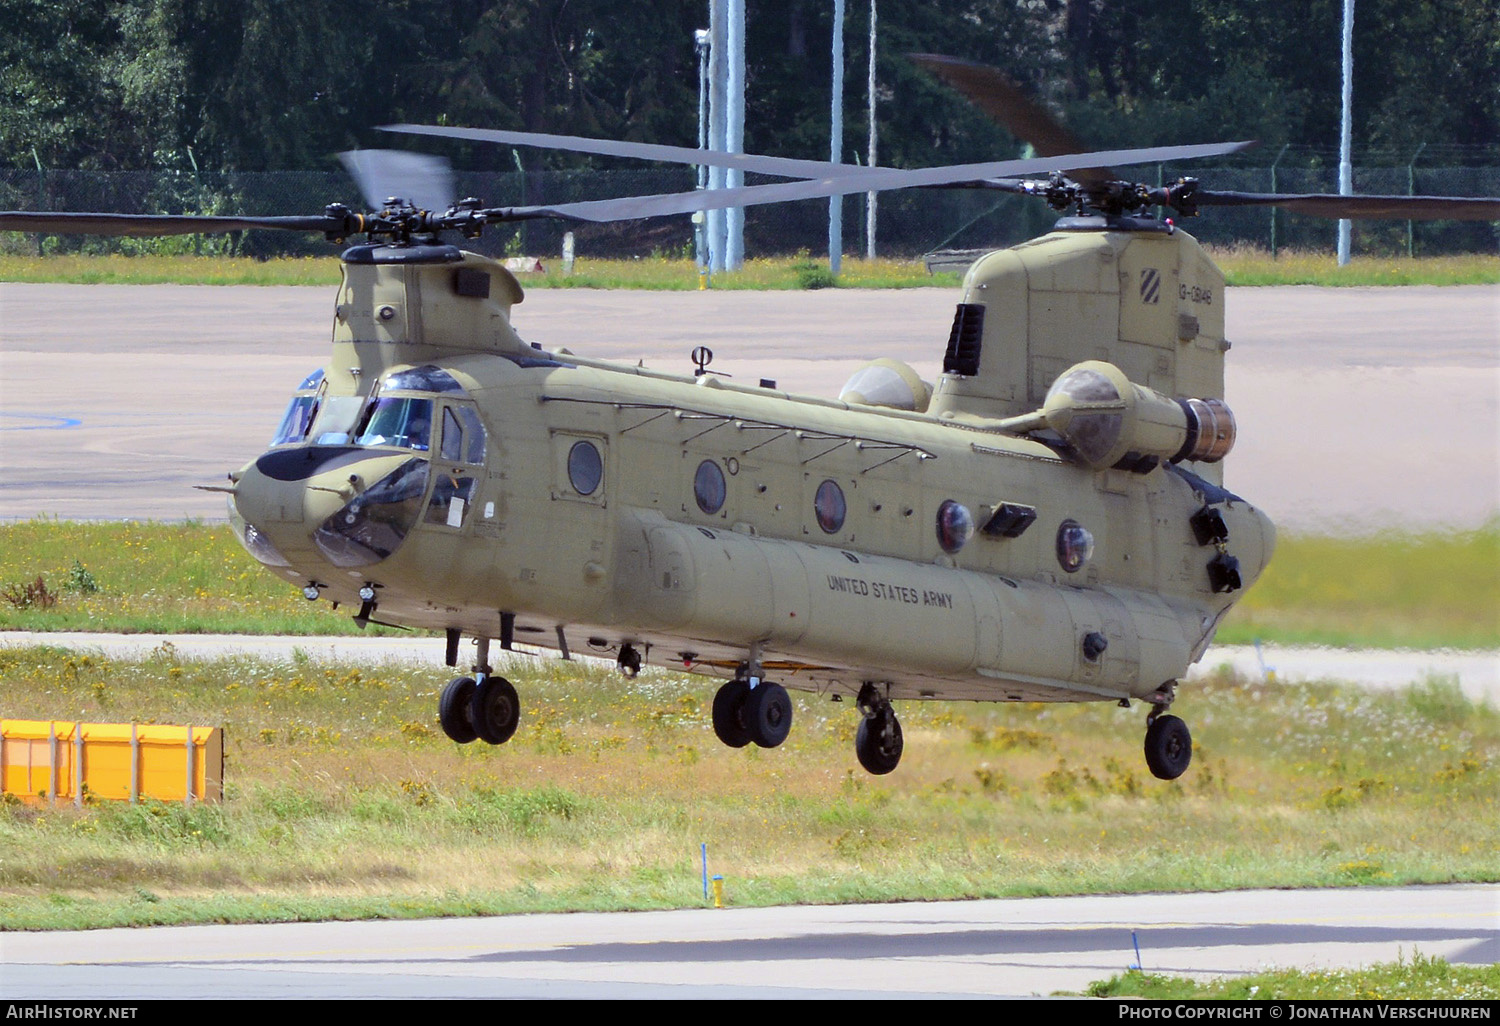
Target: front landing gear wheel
(768, 714)
(495, 710)
(878, 742)
(729, 714)
(453, 710)
(1169, 747)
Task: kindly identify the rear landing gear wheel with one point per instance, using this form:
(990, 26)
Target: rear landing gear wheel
(878, 742)
(453, 710)
(729, 714)
(1169, 747)
(768, 714)
(495, 710)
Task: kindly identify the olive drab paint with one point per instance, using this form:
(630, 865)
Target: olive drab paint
(949, 541)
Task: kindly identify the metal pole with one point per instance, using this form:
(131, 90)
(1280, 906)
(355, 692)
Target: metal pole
(1346, 168)
(870, 198)
(52, 758)
(701, 40)
(718, 79)
(836, 141)
(187, 798)
(734, 137)
(1411, 190)
(135, 765)
(1273, 189)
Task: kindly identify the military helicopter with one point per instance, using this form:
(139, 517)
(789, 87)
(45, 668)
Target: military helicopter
(1046, 522)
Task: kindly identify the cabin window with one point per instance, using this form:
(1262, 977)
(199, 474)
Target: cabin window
(406, 423)
(829, 506)
(1075, 546)
(955, 525)
(451, 498)
(426, 378)
(585, 468)
(709, 487)
(336, 419)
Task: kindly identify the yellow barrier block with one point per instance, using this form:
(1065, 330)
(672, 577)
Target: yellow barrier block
(58, 760)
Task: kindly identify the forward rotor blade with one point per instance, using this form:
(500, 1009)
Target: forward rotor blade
(786, 166)
(993, 92)
(872, 180)
(54, 223)
(423, 180)
(1395, 208)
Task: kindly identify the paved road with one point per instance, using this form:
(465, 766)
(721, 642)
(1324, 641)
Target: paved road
(1007, 948)
(1357, 407)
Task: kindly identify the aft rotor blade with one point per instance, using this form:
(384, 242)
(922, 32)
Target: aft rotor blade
(872, 180)
(1395, 208)
(993, 92)
(55, 223)
(423, 180)
(786, 166)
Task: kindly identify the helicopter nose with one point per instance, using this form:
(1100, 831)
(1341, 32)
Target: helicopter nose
(281, 499)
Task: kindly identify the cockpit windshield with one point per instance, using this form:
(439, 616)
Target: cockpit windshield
(406, 423)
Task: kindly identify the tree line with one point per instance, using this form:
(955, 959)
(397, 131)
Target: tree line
(252, 85)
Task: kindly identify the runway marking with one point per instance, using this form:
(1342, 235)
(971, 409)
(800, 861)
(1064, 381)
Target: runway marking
(59, 422)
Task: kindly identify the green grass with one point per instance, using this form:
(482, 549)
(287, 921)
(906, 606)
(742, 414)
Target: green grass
(1437, 590)
(1391, 590)
(1417, 978)
(1243, 266)
(343, 800)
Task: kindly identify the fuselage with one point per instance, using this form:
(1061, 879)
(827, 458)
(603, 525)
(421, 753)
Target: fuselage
(503, 491)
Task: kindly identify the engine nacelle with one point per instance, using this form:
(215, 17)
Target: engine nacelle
(1110, 420)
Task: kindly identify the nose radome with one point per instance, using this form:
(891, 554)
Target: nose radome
(287, 500)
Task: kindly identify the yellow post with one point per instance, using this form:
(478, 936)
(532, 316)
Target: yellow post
(718, 891)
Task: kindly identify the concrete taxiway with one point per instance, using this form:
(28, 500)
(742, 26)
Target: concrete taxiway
(1001, 948)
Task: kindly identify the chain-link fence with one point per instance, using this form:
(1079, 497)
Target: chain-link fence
(909, 222)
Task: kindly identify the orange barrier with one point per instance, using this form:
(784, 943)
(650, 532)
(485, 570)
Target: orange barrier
(56, 760)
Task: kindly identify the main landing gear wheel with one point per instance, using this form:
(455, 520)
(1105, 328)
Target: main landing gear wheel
(878, 743)
(453, 710)
(729, 714)
(1169, 747)
(768, 714)
(495, 710)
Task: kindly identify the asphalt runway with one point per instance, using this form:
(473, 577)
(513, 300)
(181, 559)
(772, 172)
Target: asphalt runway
(1358, 408)
(1000, 948)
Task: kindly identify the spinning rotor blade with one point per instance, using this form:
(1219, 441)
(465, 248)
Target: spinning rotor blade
(993, 92)
(421, 179)
(786, 166)
(54, 223)
(1395, 208)
(872, 180)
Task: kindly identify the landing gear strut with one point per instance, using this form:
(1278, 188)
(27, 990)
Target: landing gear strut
(743, 714)
(878, 742)
(1169, 745)
(479, 707)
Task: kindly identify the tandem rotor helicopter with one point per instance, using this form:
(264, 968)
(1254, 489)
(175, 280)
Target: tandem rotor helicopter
(1045, 522)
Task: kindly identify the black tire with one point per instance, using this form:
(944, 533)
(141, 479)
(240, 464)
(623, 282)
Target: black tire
(877, 753)
(496, 710)
(453, 710)
(768, 714)
(729, 714)
(1169, 747)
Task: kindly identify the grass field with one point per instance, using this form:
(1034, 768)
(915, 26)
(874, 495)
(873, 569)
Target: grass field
(343, 800)
(1435, 590)
(1414, 978)
(1242, 266)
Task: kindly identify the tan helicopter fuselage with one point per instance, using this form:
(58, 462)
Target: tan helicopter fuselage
(955, 549)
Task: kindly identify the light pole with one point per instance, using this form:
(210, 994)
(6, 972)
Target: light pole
(702, 43)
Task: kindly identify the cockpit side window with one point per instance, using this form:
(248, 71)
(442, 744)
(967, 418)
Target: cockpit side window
(406, 423)
(301, 412)
(463, 435)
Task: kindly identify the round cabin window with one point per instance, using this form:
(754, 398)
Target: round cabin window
(1075, 546)
(955, 525)
(709, 487)
(585, 468)
(830, 507)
